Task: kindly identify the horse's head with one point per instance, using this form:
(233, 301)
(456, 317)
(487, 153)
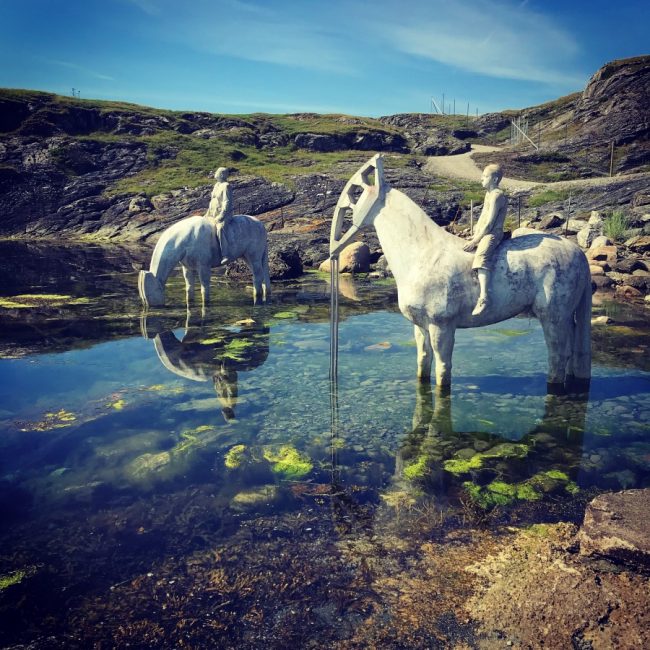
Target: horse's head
(363, 197)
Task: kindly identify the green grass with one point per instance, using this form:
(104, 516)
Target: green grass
(547, 196)
(615, 225)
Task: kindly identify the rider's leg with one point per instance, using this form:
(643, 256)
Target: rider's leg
(483, 281)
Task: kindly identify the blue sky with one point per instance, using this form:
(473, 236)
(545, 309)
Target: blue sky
(280, 56)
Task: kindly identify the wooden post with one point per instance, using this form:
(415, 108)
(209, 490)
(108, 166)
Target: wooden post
(471, 217)
(611, 159)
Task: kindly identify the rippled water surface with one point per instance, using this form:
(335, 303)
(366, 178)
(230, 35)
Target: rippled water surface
(184, 480)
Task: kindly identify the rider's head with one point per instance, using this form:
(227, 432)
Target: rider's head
(492, 173)
(221, 174)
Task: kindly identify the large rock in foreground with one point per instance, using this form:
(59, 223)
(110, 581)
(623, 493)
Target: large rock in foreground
(617, 527)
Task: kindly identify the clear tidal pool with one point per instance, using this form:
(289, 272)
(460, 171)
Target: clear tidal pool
(182, 480)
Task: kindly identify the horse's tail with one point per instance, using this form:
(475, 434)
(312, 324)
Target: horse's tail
(580, 363)
(151, 290)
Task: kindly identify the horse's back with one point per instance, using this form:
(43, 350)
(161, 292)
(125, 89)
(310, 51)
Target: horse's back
(542, 267)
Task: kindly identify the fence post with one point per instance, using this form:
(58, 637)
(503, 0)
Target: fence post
(471, 216)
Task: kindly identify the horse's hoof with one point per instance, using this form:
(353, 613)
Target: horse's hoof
(555, 388)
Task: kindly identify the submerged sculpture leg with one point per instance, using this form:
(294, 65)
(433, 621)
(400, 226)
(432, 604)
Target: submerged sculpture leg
(425, 353)
(204, 279)
(559, 342)
(190, 279)
(442, 342)
(261, 277)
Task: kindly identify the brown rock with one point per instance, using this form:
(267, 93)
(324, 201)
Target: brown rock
(354, 258)
(616, 526)
(640, 243)
(627, 292)
(629, 265)
(596, 270)
(550, 221)
(603, 253)
(601, 281)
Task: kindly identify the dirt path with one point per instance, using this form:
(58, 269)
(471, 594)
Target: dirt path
(462, 166)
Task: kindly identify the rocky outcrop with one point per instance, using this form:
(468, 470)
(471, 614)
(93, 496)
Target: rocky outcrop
(424, 136)
(616, 527)
(615, 102)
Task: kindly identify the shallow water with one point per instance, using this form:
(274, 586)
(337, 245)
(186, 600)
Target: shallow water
(144, 460)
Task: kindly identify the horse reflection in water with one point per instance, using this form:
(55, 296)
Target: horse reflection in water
(547, 459)
(213, 355)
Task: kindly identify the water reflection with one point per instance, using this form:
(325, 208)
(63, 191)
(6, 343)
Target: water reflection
(205, 353)
(487, 468)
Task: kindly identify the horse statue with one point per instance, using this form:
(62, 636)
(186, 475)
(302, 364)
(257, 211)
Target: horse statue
(543, 274)
(193, 243)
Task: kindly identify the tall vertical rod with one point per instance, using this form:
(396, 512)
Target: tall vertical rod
(334, 355)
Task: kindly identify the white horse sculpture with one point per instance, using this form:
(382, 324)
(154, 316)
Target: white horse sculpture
(544, 274)
(193, 243)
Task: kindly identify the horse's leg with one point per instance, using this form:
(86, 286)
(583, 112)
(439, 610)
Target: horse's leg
(580, 361)
(204, 278)
(266, 281)
(425, 353)
(559, 339)
(258, 273)
(442, 342)
(190, 278)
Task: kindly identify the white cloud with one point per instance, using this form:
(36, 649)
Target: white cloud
(496, 39)
(79, 68)
(298, 37)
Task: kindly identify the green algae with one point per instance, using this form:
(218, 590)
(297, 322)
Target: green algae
(500, 493)
(31, 300)
(191, 438)
(556, 473)
(54, 420)
(236, 350)
(502, 450)
(285, 314)
(463, 466)
(10, 579)
(288, 461)
(417, 469)
(234, 456)
(506, 450)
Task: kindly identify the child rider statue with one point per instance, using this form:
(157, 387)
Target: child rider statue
(488, 233)
(221, 210)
